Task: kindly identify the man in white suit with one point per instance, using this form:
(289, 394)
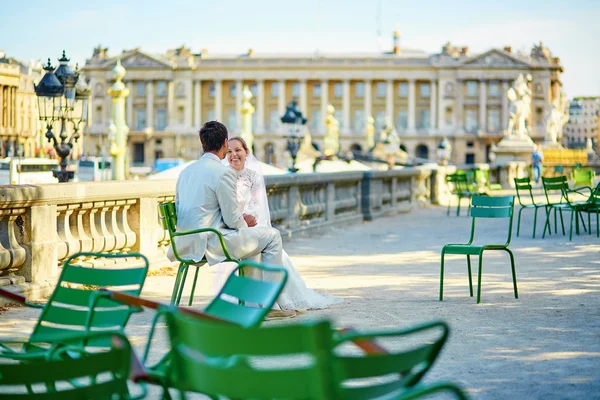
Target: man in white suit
(206, 198)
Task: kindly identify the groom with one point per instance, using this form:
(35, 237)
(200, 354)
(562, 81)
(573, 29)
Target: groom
(206, 198)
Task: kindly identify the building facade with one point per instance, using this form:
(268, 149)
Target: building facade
(19, 128)
(450, 94)
(583, 123)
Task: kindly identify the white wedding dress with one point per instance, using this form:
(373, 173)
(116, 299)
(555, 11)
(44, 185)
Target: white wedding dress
(252, 197)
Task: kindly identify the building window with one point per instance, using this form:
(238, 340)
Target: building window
(403, 90)
(470, 158)
(296, 89)
(338, 90)
(254, 89)
(380, 89)
(424, 90)
(275, 89)
(232, 89)
(471, 89)
(402, 120)
(180, 115)
(379, 120)
(359, 120)
(494, 89)
(140, 89)
(423, 119)
(98, 116)
(161, 119)
(317, 90)
(161, 89)
(471, 122)
(212, 115)
(140, 119)
(422, 151)
(448, 116)
(232, 120)
(359, 89)
(338, 115)
(316, 119)
(493, 120)
(211, 90)
(274, 119)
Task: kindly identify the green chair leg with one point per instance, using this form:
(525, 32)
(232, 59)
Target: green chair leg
(177, 283)
(194, 286)
(442, 277)
(183, 279)
(535, 210)
(514, 273)
(458, 206)
(479, 277)
(571, 226)
(562, 222)
(519, 221)
(470, 279)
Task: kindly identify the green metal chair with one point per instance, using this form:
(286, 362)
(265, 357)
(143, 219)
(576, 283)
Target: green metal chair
(168, 216)
(62, 377)
(482, 177)
(559, 186)
(483, 207)
(231, 305)
(524, 185)
(459, 187)
(579, 207)
(74, 308)
(583, 177)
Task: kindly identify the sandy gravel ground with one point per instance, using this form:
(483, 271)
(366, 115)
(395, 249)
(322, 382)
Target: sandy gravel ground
(546, 344)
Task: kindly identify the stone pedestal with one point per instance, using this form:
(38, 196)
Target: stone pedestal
(552, 146)
(513, 148)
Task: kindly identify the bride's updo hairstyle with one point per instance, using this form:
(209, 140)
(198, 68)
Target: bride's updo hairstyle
(242, 141)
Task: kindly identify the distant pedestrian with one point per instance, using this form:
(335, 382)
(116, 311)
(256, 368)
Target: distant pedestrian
(537, 159)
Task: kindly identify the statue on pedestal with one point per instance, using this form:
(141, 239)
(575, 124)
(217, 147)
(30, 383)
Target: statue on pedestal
(332, 135)
(247, 110)
(520, 97)
(556, 119)
(370, 128)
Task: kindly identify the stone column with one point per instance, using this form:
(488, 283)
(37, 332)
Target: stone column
(324, 103)
(171, 121)
(129, 110)
(197, 104)
(149, 105)
(260, 106)
(505, 115)
(460, 123)
(189, 105)
(368, 103)
(440, 107)
(281, 97)
(303, 104)
(411, 105)
(389, 99)
(218, 100)
(346, 106)
(482, 106)
(1, 106)
(432, 106)
(13, 103)
(238, 104)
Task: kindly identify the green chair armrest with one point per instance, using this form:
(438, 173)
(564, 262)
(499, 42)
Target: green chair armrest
(346, 336)
(196, 231)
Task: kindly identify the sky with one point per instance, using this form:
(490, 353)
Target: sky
(37, 29)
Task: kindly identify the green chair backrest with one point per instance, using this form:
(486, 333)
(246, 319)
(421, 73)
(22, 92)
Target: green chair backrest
(215, 358)
(168, 216)
(458, 182)
(492, 207)
(53, 378)
(73, 307)
(523, 185)
(554, 184)
(583, 177)
(372, 376)
(232, 301)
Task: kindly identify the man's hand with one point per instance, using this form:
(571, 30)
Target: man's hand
(250, 220)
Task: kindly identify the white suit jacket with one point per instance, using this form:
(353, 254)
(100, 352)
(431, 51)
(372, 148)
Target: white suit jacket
(206, 198)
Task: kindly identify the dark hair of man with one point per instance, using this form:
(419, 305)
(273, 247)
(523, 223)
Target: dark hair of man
(212, 136)
(242, 142)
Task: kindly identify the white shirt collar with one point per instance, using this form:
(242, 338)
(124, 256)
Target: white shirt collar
(212, 156)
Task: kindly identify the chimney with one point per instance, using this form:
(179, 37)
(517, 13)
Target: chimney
(397, 35)
(464, 51)
(508, 49)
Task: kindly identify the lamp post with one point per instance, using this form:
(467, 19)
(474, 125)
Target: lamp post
(444, 151)
(293, 121)
(58, 94)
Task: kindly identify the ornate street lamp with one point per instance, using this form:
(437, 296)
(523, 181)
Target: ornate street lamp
(59, 93)
(293, 121)
(444, 152)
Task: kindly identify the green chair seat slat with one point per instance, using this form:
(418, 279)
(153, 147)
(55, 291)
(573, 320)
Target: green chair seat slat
(382, 364)
(237, 313)
(104, 276)
(249, 289)
(81, 297)
(101, 318)
(491, 212)
(51, 334)
(462, 249)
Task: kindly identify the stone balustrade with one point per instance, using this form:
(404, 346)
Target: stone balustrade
(43, 225)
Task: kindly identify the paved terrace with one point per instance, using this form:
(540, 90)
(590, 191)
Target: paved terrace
(546, 344)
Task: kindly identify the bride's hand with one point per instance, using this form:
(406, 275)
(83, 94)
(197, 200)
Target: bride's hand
(250, 220)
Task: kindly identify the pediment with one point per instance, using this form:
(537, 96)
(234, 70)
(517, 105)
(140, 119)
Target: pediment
(495, 59)
(140, 60)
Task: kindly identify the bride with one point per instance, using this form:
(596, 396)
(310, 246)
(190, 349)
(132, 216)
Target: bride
(252, 197)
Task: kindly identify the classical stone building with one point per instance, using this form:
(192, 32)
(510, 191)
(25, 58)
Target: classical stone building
(583, 122)
(19, 129)
(451, 94)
